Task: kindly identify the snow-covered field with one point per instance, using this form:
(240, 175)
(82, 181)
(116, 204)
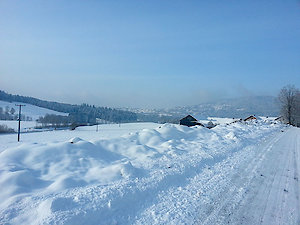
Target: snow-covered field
(30, 110)
(105, 131)
(147, 173)
(25, 125)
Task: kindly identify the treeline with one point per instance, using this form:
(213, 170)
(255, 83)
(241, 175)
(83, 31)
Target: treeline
(4, 129)
(156, 118)
(55, 120)
(83, 113)
(58, 121)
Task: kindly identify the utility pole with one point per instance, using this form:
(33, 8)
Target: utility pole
(19, 121)
(97, 121)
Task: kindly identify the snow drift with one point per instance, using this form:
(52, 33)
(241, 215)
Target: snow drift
(114, 181)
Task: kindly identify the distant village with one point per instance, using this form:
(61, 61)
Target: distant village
(192, 121)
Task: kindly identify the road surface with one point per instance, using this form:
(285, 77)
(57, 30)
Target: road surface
(263, 189)
(255, 185)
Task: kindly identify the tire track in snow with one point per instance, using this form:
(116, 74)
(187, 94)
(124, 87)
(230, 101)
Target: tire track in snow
(272, 198)
(296, 177)
(282, 196)
(208, 184)
(240, 181)
(278, 208)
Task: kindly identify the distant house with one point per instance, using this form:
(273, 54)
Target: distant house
(210, 125)
(189, 121)
(250, 118)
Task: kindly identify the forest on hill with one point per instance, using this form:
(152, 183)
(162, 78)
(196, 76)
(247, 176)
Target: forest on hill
(81, 114)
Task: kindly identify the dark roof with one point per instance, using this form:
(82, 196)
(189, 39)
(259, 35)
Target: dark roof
(250, 118)
(189, 121)
(190, 118)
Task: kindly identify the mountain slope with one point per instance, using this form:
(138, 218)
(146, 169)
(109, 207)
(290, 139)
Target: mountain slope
(83, 113)
(238, 107)
(31, 111)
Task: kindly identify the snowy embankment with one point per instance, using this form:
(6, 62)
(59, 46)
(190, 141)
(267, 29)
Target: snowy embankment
(164, 175)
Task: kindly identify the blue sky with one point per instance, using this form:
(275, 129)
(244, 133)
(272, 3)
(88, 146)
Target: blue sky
(148, 54)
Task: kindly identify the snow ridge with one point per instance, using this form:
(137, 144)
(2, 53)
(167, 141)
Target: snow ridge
(171, 174)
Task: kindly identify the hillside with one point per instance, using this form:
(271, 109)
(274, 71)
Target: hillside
(229, 108)
(83, 113)
(29, 111)
(236, 107)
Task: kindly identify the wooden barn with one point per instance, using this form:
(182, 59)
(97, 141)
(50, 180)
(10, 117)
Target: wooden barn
(189, 121)
(250, 118)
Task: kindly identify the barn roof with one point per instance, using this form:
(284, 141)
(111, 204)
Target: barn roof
(250, 118)
(190, 117)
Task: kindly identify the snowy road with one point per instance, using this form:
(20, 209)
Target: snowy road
(237, 174)
(268, 189)
(258, 185)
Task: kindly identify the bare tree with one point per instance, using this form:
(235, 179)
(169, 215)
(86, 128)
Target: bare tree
(288, 98)
(12, 111)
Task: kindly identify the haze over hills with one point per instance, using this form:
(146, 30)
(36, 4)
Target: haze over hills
(237, 108)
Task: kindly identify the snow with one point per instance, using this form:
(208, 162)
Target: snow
(106, 131)
(25, 125)
(268, 118)
(30, 110)
(147, 173)
(218, 120)
(222, 121)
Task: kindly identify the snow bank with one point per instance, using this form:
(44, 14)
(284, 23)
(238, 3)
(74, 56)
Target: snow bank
(112, 181)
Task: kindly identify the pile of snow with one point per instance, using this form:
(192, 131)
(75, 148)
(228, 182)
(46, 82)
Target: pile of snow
(268, 118)
(218, 121)
(105, 131)
(113, 180)
(223, 121)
